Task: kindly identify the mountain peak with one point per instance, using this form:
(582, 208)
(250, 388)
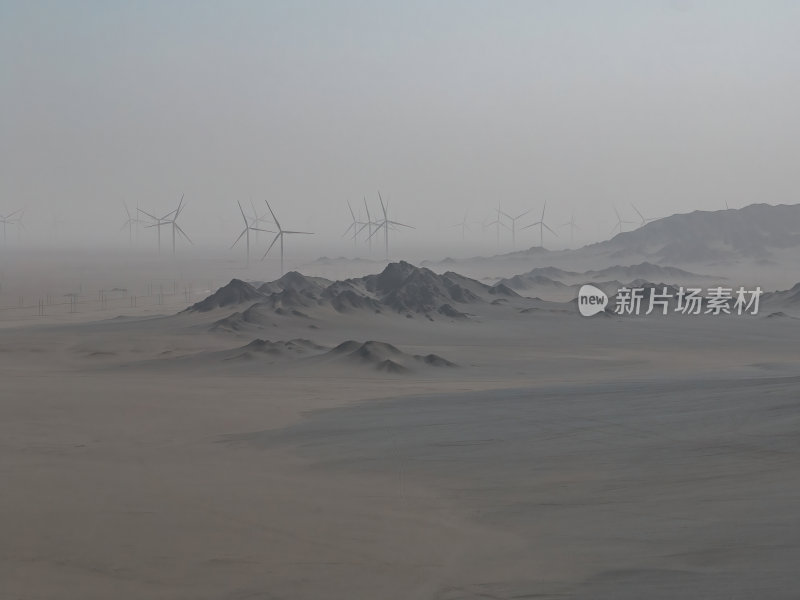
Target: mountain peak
(235, 292)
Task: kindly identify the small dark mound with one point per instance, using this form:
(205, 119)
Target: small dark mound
(434, 360)
(346, 347)
(389, 366)
(263, 346)
(372, 350)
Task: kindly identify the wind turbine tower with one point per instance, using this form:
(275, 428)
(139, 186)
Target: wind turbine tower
(385, 225)
(514, 226)
(279, 236)
(542, 226)
(246, 231)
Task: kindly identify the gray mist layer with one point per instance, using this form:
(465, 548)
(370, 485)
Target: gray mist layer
(449, 109)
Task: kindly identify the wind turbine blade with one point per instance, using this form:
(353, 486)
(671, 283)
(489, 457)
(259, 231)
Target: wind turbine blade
(346, 231)
(303, 232)
(127, 212)
(274, 218)
(531, 225)
(383, 206)
(144, 212)
(183, 233)
(522, 215)
(506, 215)
(363, 226)
(241, 235)
(241, 210)
(376, 230)
(259, 229)
(401, 224)
(352, 214)
(543, 209)
(275, 239)
(641, 216)
(550, 230)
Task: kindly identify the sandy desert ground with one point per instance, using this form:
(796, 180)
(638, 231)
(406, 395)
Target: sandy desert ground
(520, 451)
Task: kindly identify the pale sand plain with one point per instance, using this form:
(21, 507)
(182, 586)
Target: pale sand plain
(562, 458)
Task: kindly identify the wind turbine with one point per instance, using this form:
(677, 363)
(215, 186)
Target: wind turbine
(9, 219)
(175, 227)
(157, 222)
(246, 231)
(385, 224)
(130, 222)
(619, 222)
(370, 225)
(514, 226)
(498, 223)
(641, 216)
(463, 225)
(572, 227)
(258, 220)
(354, 226)
(171, 218)
(280, 234)
(542, 226)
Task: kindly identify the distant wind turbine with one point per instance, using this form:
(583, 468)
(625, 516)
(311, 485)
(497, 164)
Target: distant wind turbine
(619, 224)
(279, 236)
(246, 231)
(171, 219)
(370, 225)
(156, 222)
(14, 218)
(258, 220)
(572, 227)
(356, 226)
(542, 226)
(497, 223)
(641, 216)
(463, 225)
(130, 222)
(385, 224)
(514, 226)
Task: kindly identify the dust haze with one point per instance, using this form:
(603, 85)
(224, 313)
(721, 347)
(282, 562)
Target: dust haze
(292, 297)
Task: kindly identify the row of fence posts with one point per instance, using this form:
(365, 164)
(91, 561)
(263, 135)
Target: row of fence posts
(103, 298)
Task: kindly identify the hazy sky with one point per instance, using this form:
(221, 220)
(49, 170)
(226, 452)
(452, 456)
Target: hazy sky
(443, 106)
